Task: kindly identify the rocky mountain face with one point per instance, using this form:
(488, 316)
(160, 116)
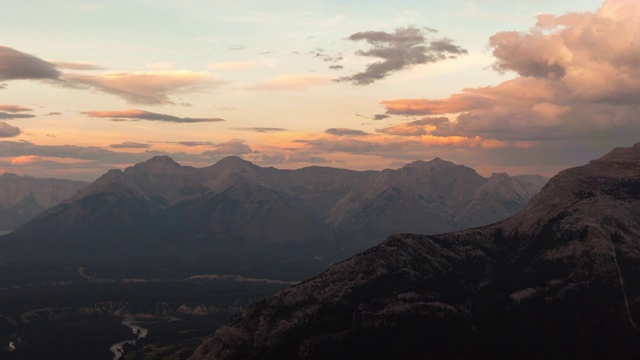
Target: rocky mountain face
(558, 280)
(235, 209)
(22, 198)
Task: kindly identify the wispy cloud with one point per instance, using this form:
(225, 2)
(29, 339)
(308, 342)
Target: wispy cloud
(134, 115)
(70, 65)
(295, 82)
(233, 66)
(333, 21)
(416, 128)
(151, 87)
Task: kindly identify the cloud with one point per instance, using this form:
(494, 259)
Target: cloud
(7, 116)
(454, 104)
(7, 130)
(194, 143)
(336, 67)
(265, 159)
(16, 65)
(416, 128)
(134, 115)
(292, 82)
(332, 21)
(13, 108)
(53, 113)
(380, 116)
(346, 132)
(22, 160)
(262, 129)
(231, 147)
(151, 87)
(320, 54)
(233, 66)
(577, 86)
(306, 157)
(399, 50)
(82, 66)
(129, 145)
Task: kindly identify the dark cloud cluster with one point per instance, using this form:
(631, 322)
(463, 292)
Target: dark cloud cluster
(346, 132)
(129, 145)
(7, 130)
(262, 129)
(399, 50)
(8, 112)
(135, 115)
(8, 116)
(16, 65)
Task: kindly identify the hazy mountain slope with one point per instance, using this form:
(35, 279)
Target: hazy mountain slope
(560, 279)
(22, 198)
(427, 197)
(537, 180)
(235, 209)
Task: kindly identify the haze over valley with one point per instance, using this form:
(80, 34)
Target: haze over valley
(319, 179)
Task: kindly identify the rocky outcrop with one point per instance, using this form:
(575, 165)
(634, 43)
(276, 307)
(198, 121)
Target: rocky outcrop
(560, 279)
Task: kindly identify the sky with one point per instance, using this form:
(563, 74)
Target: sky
(515, 86)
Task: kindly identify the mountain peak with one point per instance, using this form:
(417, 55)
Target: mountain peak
(11, 176)
(235, 162)
(434, 163)
(622, 154)
(161, 160)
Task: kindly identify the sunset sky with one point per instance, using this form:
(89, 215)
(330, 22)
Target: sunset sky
(514, 86)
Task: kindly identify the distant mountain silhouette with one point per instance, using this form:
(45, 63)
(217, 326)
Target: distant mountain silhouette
(558, 280)
(237, 210)
(22, 198)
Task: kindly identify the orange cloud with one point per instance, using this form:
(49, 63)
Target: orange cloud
(578, 77)
(22, 160)
(13, 108)
(454, 104)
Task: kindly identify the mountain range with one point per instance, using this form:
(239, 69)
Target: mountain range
(22, 198)
(558, 280)
(237, 210)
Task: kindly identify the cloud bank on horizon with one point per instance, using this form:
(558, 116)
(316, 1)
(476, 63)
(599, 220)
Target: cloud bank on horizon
(568, 91)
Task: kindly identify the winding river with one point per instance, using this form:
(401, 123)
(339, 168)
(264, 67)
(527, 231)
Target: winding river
(116, 348)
